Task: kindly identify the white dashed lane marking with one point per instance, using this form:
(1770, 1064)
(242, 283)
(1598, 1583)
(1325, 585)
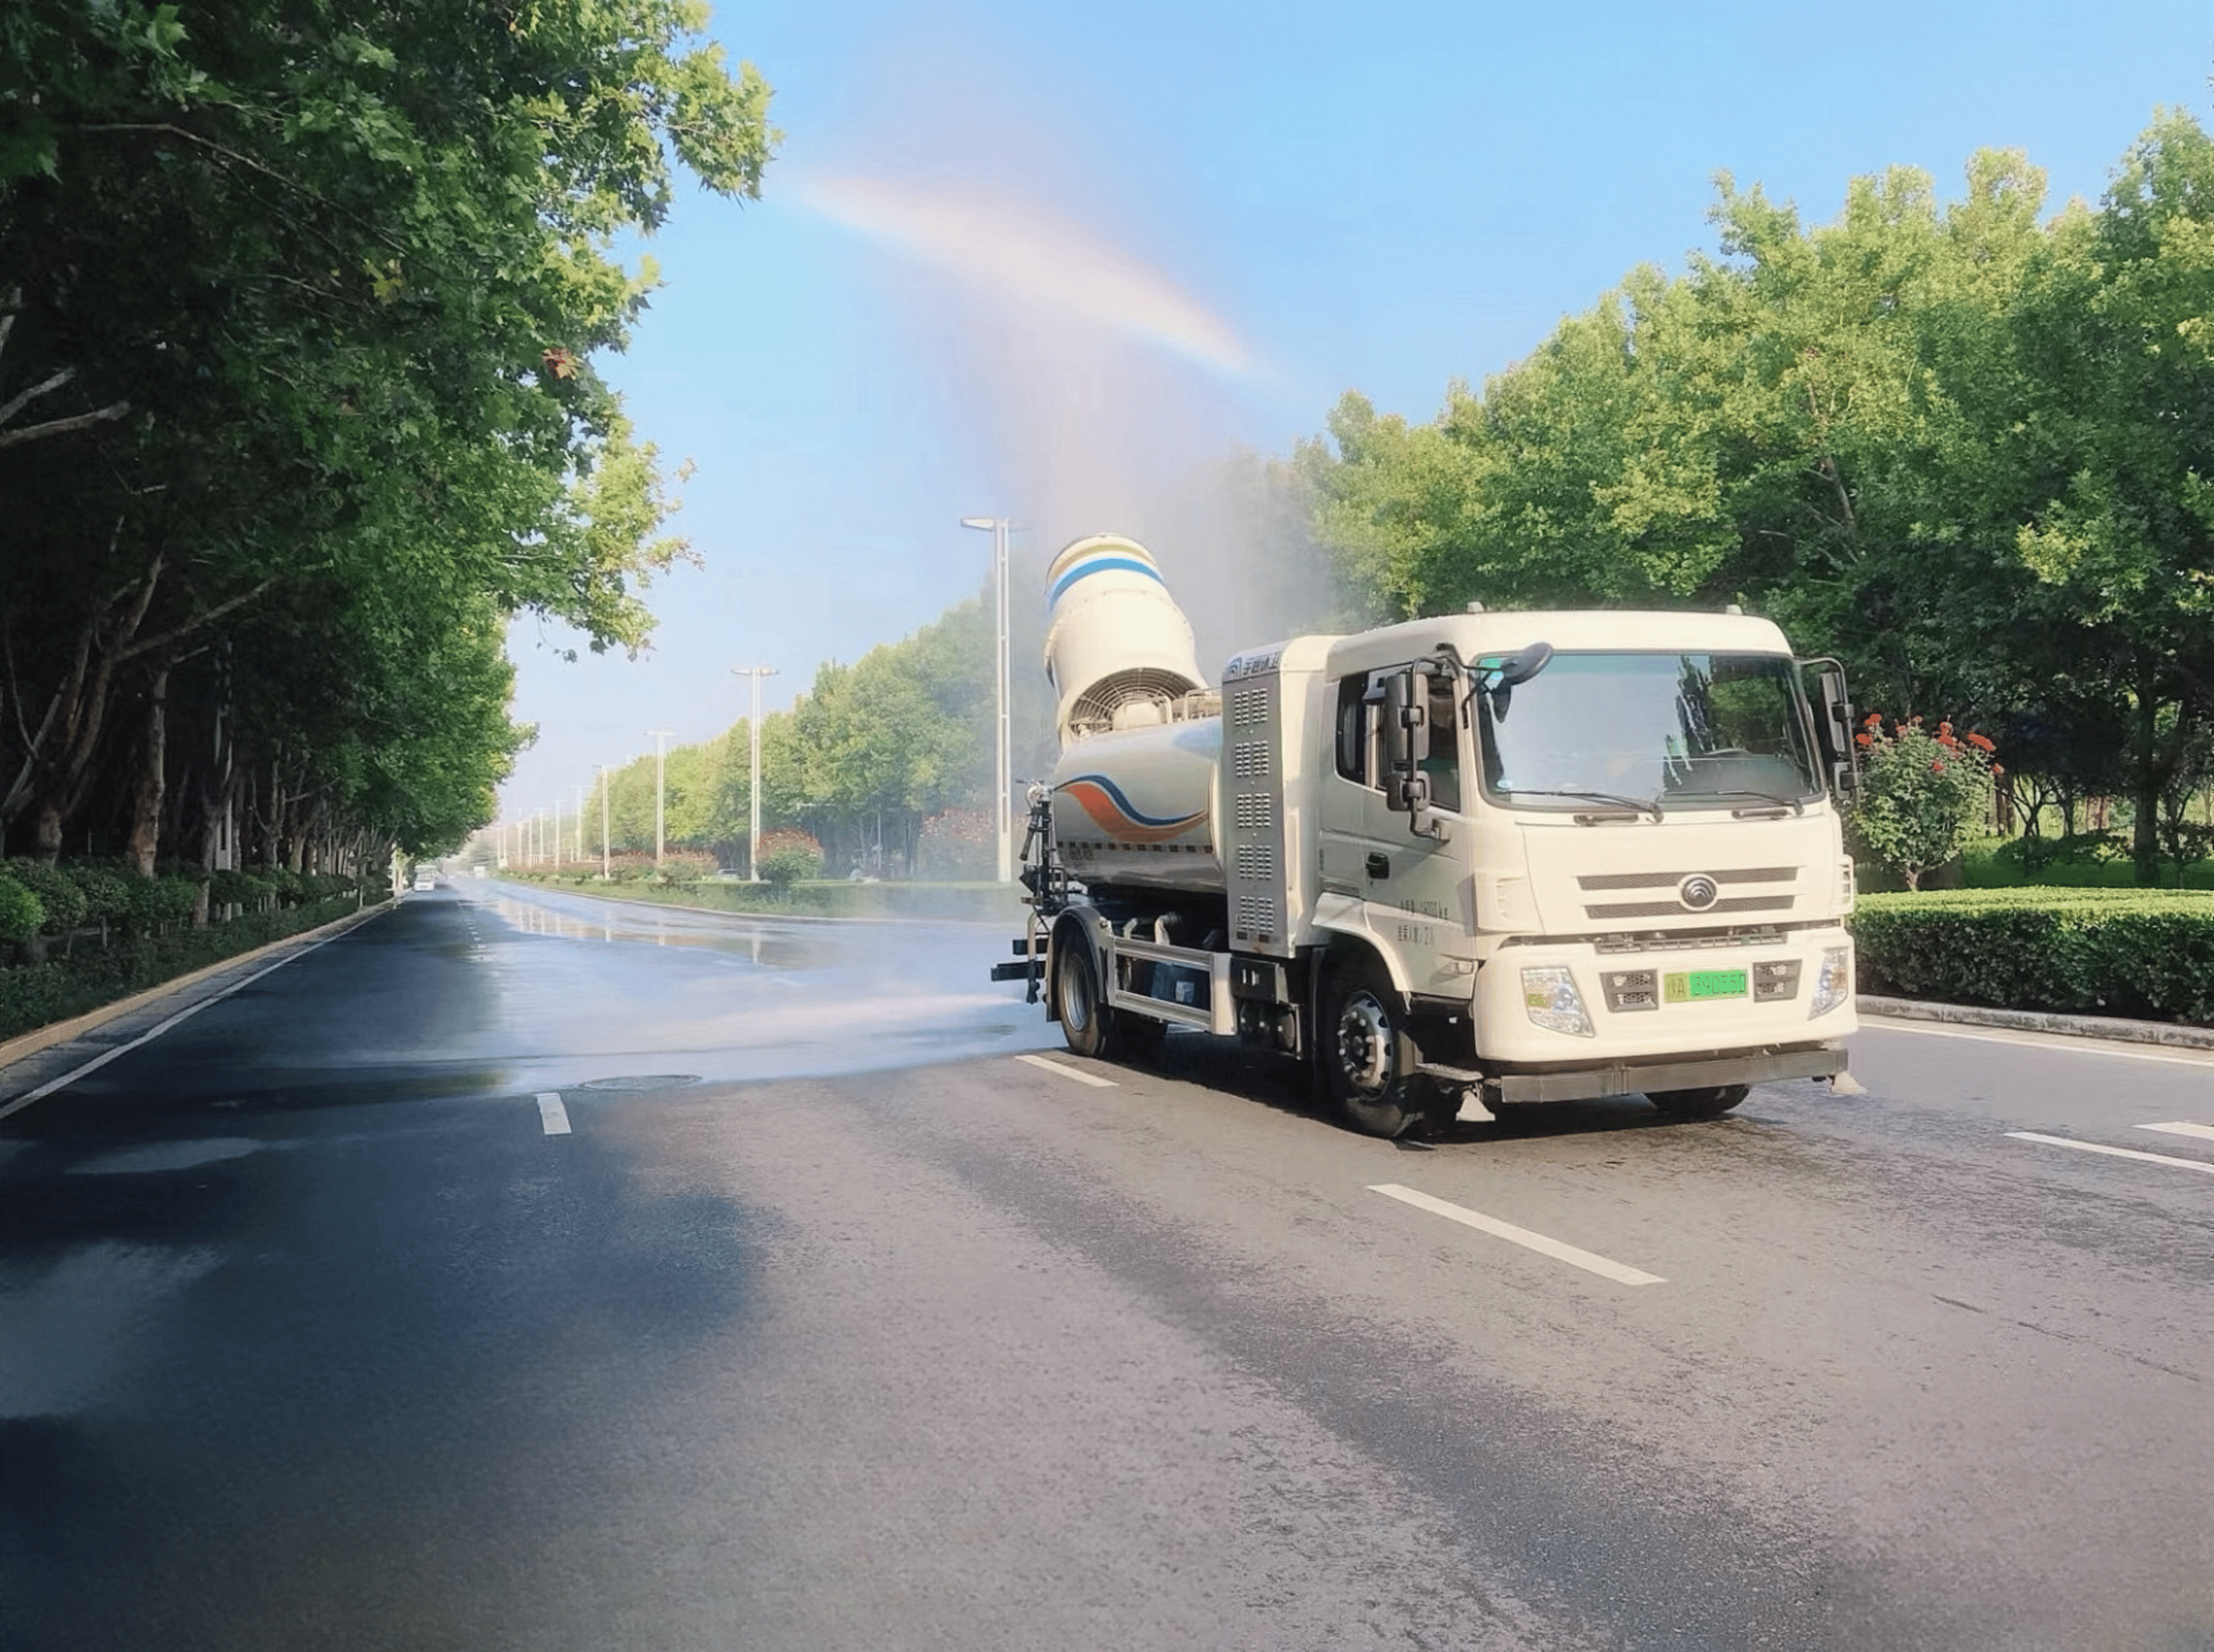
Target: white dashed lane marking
(1081, 1078)
(2204, 1132)
(553, 1114)
(2114, 1152)
(1605, 1267)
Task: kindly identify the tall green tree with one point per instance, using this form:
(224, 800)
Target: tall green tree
(310, 295)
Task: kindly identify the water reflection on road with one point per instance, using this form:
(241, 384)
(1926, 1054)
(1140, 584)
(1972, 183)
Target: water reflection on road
(591, 988)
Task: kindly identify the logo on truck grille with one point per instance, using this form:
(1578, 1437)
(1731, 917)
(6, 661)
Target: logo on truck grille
(1698, 891)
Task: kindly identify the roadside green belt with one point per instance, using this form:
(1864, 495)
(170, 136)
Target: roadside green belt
(823, 897)
(2144, 954)
(33, 995)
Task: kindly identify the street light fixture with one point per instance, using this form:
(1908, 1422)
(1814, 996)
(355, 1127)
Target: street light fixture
(753, 787)
(660, 788)
(997, 527)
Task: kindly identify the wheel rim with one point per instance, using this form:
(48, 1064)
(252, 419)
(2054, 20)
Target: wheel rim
(1364, 1044)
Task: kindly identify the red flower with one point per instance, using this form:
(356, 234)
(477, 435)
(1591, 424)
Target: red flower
(1863, 740)
(1874, 719)
(1937, 768)
(1980, 743)
(1944, 729)
(1997, 769)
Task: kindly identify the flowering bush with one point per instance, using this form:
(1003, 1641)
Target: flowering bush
(960, 843)
(788, 856)
(1923, 796)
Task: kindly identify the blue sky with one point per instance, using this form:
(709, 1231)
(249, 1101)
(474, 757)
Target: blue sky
(1052, 262)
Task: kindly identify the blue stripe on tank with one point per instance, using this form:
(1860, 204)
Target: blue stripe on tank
(1100, 565)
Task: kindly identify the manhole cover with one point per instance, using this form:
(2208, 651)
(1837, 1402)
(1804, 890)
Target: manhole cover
(640, 1081)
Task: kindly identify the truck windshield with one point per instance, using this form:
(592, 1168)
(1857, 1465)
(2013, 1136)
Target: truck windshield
(1653, 731)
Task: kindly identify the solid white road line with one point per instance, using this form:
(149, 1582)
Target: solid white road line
(1522, 1236)
(1080, 1076)
(2205, 1132)
(147, 1037)
(553, 1114)
(2071, 1041)
(2117, 1152)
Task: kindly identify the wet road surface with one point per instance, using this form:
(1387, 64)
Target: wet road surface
(524, 1270)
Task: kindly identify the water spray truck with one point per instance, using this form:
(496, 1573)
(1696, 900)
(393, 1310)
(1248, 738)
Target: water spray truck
(1462, 864)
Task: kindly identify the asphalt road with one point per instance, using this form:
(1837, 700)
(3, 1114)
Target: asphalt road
(521, 1272)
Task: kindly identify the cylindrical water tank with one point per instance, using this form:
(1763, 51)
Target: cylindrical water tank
(1118, 650)
(1137, 806)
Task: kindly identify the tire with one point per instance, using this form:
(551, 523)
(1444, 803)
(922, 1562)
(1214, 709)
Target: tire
(1712, 1102)
(1368, 1059)
(1085, 1020)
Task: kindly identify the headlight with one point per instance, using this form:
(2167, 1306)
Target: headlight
(1835, 983)
(1550, 993)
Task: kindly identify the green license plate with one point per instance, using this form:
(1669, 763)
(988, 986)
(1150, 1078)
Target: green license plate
(1684, 986)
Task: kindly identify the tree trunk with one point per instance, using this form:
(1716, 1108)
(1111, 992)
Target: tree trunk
(2144, 831)
(146, 812)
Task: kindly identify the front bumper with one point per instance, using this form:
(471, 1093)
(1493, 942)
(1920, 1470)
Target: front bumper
(1643, 1077)
(1664, 1029)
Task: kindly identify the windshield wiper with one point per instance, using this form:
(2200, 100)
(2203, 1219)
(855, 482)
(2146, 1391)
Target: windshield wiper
(1796, 805)
(1645, 806)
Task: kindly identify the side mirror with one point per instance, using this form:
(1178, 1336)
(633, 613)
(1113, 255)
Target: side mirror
(1406, 736)
(1834, 729)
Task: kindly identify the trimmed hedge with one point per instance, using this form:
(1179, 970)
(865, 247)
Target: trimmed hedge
(22, 915)
(2147, 954)
(64, 904)
(32, 995)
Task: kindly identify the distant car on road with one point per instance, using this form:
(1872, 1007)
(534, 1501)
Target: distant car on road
(426, 879)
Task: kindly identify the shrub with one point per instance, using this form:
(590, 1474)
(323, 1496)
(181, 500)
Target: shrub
(2100, 952)
(250, 890)
(958, 844)
(64, 902)
(1923, 796)
(787, 857)
(21, 914)
(158, 903)
(2030, 855)
(107, 890)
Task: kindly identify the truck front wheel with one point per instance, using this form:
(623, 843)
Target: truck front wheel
(1712, 1102)
(1368, 1059)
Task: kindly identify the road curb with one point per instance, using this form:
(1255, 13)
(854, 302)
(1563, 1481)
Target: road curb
(2113, 1028)
(41, 1038)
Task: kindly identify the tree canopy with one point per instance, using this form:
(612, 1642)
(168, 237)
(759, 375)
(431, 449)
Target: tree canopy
(1966, 446)
(302, 307)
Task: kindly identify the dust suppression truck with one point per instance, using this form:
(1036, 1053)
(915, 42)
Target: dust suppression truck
(1459, 863)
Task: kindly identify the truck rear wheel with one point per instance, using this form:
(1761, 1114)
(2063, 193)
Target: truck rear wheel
(1712, 1102)
(1076, 995)
(1368, 1059)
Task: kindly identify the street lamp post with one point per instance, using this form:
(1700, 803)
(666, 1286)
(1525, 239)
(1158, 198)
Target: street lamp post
(660, 789)
(753, 786)
(997, 526)
(606, 786)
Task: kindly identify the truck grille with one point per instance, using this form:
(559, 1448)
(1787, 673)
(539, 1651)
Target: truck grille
(1598, 880)
(1677, 909)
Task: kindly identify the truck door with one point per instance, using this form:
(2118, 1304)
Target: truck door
(1409, 882)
